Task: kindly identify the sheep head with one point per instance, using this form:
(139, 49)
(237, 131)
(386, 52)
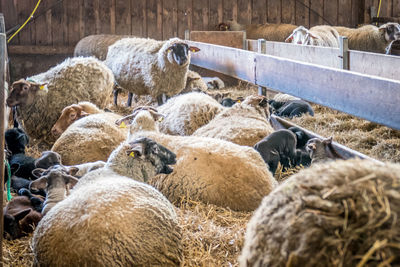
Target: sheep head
(23, 93)
(52, 178)
(259, 102)
(178, 53)
(391, 31)
(300, 35)
(142, 119)
(147, 149)
(68, 116)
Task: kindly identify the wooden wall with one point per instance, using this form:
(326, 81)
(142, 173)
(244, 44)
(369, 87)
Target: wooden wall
(70, 20)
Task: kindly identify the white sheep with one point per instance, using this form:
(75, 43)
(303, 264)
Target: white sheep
(109, 220)
(184, 114)
(194, 83)
(284, 97)
(214, 83)
(338, 213)
(90, 139)
(149, 67)
(318, 36)
(371, 38)
(244, 123)
(41, 98)
(207, 170)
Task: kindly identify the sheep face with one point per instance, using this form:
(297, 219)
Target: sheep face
(48, 159)
(178, 54)
(22, 93)
(68, 116)
(300, 35)
(158, 155)
(12, 229)
(54, 178)
(391, 31)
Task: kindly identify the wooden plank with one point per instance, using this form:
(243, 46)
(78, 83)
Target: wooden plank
(40, 50)
(151, 10)
(367, 14)
(396, 8)
(225, 60)
(331, 11)
(318, 8)
(138, 17)
(235, 10)
(324, 56)
(214, 18)
(81, 19)
(259, 12)
(97, 16)
(159, 19)
(227, 9)
(123, 20)
(41, 32)
(206, 15)
(73, 22)
(244, 11)
(89, 18)
(105, 17)
(288, 11)
(112, 17)
(302, 13)
(24, 10)
(344, 14)
(3, 48)
(169, 27)
(375, 64)
(231, 39)
(197, 17)
(11, 19)
(369, 97)
(48, 30)
(65, 22)
(184, 17)
(57, 26)
(274, 11)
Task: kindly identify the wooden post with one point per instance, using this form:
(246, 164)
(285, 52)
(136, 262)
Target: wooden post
(261, 47)
(344, 52)
(245, 41)
(187, 34)
(2, 110)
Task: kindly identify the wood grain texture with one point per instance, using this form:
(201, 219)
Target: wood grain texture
(303, 13)
(123, 19)
(288, 12)
(259, 12)
(274, 11)
(170, 27)
(318, 11)
(184, 17)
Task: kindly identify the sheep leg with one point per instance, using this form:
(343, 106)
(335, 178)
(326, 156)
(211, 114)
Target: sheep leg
(115, 93)
(130, 96)
(161, 99)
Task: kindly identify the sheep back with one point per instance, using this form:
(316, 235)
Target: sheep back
(184, 114)
(269, 32)
(328, 214)
(74, 80)
(90, 139)
(96, 45)
(284, 97)
(111, 221)
(213, 171)
(327, 36)
(141, 66)
(241, 124)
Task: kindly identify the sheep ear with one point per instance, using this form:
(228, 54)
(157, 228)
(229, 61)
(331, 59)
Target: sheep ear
(14, 168)
(72, 170)
(194, 49)
(38, 172)
(38, 184)
(328, 141)
(136, 149)
(312, 35)
(83, 114)
(289, 39)
(157, 116)
(20, 215)
(70, 180)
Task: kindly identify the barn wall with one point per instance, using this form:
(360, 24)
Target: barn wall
(61, 24)
(68, 21)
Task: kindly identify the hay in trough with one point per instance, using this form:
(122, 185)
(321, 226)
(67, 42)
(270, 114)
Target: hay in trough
(344, 213)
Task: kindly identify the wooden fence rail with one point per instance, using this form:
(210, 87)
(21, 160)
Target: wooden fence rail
(369, 97)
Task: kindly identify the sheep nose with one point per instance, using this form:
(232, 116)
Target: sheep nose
(55, 132)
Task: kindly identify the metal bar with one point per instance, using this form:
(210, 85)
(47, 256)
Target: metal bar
(369, 97)
(279, 123)
(2, 24)
(261, 48)
(2, 110)
(344, 52)
(187, 34)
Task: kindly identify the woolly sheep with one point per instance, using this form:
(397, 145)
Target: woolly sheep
(244, 123)
(72, 113)
(90, 139)
(321, 150)
(149, 67)
(371, 38)
(269, 32)
(96, 45)
(194, 82)
(284, 97)
(74, 80)
(213, 83)
(318, 36)
(111, 219)
(184, 114)
(207, 170)
(338, 213)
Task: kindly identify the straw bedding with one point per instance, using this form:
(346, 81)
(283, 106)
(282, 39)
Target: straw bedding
(214, 236)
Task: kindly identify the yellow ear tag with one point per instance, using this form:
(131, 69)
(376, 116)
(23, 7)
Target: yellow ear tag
(161, 119)
(238, 101)
(123, 125)
(41, 87)
(169, 50)
(132, 154)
